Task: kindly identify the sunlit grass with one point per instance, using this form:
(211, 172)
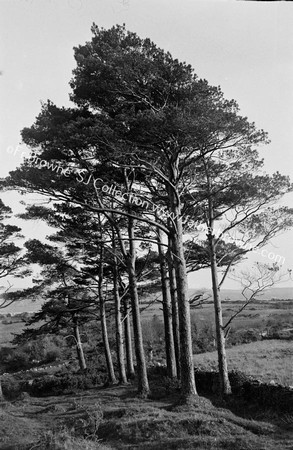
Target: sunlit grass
(265, 360)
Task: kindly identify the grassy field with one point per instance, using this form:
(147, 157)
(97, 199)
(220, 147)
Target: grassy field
(7, 332)
(255, 315)
(265, 360)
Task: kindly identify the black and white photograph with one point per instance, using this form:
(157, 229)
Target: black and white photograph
(146, 225)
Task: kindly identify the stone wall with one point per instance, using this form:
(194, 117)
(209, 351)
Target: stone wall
(254, 391)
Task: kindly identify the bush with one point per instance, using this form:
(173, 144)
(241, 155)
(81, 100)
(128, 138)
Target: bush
(65, 382)
(87, 420)
(153, 330)
(52, 355)
(47, 385)
(17, 360)
(243, 336)
(203, 338)
(11, 387)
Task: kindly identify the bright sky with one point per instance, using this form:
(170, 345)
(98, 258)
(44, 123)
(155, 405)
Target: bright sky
(245, 47)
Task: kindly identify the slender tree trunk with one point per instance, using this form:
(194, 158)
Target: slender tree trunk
(128, 340)
(225, 386)
(222, 360)
(174, 302)
(108, 355)
(118, 322)
(1, 392)
(143, 385)
(167, 312)
(79, 349)
(188, 387)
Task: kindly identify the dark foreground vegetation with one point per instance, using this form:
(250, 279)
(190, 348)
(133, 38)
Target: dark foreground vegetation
(113, 417)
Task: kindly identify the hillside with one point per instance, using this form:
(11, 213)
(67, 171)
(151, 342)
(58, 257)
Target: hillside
(114, 418)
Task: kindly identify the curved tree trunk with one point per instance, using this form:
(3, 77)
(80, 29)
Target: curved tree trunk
(79, 349)
(143, 385)
(167, 312)
(1, 392)
(128, 340)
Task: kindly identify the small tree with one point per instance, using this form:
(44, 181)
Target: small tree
(12, 261)
(255, 281)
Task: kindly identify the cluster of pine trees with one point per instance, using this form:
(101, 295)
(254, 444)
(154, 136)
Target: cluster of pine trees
(145, 123)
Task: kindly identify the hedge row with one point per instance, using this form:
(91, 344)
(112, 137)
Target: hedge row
(252, 390)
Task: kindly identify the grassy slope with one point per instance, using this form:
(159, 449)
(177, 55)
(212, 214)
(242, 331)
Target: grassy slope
(129, 422)
(265, 360)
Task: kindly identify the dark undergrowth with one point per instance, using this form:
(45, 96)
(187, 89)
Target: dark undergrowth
(115, 418)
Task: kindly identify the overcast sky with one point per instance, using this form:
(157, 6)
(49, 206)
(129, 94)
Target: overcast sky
(245, 47)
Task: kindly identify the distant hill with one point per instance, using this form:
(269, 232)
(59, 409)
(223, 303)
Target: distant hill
(235, 294)
(226, 294)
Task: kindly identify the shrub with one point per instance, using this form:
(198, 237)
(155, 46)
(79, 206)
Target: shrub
(243, 336)
(11, 387)
(65, 382)
(18, 360)
(203, 337)
(171, 385)
(64, 440)
(88, 421)
(52, 355)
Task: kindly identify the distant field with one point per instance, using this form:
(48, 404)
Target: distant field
(22, 306)
(265, 360)
(255, 315)
(7, 331)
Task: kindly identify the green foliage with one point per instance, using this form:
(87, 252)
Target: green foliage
(66, 382)
(45, 349)
(41, 253)
(52, 355)
(17, 360)
(12, 387)
(203, 337)
(12, 260)
(243, 336)
(153, 330)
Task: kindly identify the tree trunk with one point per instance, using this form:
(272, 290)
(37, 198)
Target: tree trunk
(174, 302)
(79, 349)
(108, 355)
(186, 357)
(118, 322)
(143, 385)
(167, 313)
(128, 340)
(1, 392)
(222, 360)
